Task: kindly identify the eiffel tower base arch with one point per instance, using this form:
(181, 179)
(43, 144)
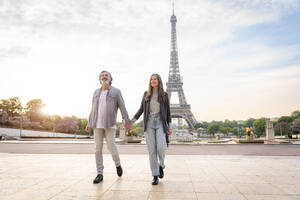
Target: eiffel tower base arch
(186, 115)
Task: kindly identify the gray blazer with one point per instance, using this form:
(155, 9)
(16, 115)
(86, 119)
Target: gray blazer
(114, 100)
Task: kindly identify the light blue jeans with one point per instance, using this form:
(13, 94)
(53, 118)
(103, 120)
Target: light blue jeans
(156, 143)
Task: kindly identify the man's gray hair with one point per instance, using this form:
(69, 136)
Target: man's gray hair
(108, 74)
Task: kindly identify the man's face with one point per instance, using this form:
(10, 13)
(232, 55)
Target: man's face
(105, 78)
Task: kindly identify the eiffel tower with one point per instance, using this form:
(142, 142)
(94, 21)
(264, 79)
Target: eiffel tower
(174, 84)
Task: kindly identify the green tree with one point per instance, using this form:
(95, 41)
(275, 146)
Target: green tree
(55, 119)
(82, 124)
(295, 114)
(282, 128)
(213, 128)
(260, 126)
(198, 125)
(68, 125)
(201, 125)
(185, 127)
(225, 130)
(34, 110)
(249, 122)
(231, 124)
(296, 126)
(227, 123)
(118, 129)
(287, 119)
(12, 106)
(235, 131)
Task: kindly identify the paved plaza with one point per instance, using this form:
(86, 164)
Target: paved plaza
(69, 176)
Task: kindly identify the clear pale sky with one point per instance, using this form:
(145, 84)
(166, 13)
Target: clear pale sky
(238, 59)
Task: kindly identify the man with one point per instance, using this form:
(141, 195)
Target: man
(105, 104)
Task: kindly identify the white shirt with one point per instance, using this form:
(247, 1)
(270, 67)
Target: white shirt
(101, 118)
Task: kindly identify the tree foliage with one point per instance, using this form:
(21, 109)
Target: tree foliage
(287, 119)
(202, 125)
(282, 128)
(68, 125)
(249, 122)
(295, 114)
(260, 126)
(82, 123)
(296, 126)
(33, 110)
(213, 128)
(12, 106)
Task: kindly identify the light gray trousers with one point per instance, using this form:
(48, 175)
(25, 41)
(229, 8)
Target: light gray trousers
(109, 134)
(156, 143)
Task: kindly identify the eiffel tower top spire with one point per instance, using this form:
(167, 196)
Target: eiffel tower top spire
(174, 75)
(173, 17)
(173, 6)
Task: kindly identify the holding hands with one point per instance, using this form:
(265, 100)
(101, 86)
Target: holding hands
(87, 129)
(127, 127)
(169, 132)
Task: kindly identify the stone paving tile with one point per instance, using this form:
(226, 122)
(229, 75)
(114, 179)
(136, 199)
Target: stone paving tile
(172, 186)
(86, 188)
(260, 189)
(209, 178)
(271, 197)
(204, 187)
(9, 186)
(172, 195)
(213, 196)
(132, 186)
(177, 177)
(246, 179)
(226, 188)
(75, 197)
(66, 177)
(125, 195)
(290, 189)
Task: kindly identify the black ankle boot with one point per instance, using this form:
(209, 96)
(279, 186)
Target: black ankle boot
(155, 180)
(161, 172)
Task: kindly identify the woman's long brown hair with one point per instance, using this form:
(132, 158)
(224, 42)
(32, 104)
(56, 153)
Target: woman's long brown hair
(161, 92)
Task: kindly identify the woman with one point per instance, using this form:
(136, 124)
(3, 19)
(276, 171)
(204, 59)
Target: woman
(156, 108)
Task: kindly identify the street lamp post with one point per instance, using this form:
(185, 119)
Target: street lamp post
(21, 123)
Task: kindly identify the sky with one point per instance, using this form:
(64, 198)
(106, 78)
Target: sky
(238, 58)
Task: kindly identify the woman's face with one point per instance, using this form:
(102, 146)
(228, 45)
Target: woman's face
(154, 81)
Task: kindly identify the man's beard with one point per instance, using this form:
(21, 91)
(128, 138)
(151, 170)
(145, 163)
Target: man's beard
(105, 82)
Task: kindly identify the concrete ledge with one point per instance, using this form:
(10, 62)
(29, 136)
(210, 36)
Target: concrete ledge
(219, 141)
(277, 142)
(238, 140)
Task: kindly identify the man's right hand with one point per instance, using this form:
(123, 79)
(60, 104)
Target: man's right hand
(87, 128)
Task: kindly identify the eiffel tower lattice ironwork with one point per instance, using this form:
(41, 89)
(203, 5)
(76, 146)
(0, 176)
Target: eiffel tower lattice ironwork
(174, 84)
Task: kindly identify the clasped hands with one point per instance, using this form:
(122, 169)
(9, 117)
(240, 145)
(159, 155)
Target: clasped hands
(127, 127)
